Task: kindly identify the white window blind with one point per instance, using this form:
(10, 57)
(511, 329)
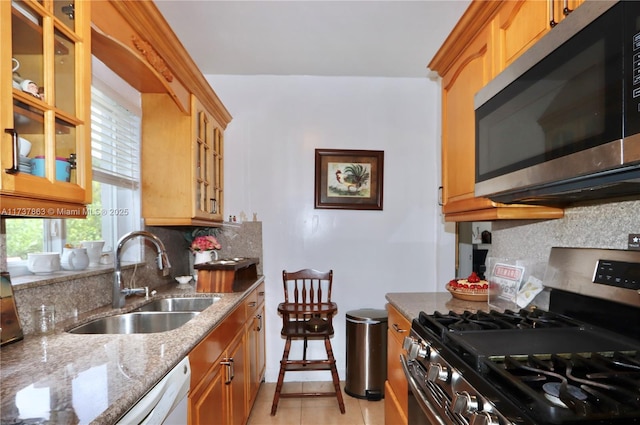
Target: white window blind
(115, 142)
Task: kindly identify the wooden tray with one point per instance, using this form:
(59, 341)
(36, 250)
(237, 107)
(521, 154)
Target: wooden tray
(466, 296)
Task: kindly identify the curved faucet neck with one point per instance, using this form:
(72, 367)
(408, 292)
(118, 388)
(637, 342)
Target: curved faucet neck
(162, 259)
(147, 235)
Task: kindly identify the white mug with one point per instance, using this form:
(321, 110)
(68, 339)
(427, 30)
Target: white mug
(94, 251)
(15, 64)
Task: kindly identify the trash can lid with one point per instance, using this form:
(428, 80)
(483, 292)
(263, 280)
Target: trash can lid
(367, 314)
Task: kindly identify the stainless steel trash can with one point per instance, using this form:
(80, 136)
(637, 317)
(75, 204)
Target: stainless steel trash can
(366, 353)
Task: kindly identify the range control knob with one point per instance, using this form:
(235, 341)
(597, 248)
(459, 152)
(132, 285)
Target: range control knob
(415, 348)
(437, 372)
(464, 403)
(484, 418)
(408, 342)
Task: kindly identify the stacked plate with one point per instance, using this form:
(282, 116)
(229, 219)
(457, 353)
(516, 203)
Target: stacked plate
(24, 164)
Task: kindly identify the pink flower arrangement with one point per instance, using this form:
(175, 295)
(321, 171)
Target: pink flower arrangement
(205, 243)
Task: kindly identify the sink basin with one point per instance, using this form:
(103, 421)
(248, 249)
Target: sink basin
(179, 304)
(136, 323)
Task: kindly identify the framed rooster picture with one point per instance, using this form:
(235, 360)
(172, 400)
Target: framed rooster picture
(349, 179)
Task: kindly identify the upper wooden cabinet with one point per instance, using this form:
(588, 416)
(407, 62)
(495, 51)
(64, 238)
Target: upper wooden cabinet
(182, 164)
(183, 120)
(45, 81)
(469, 73)
(518, 25)
(489, 36)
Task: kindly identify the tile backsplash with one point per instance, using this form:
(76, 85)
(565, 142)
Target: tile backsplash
(596, 226)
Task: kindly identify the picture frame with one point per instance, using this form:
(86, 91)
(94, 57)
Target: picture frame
(349, 179)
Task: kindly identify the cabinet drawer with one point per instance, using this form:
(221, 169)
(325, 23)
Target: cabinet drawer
(207, 352)
(399, 326)
(254, 300)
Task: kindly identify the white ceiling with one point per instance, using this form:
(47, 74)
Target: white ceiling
(327, 38)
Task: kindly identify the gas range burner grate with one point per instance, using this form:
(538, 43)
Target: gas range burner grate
(441, 323)
(572, 387)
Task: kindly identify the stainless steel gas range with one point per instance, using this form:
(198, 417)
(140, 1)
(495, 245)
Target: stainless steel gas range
(573, 359)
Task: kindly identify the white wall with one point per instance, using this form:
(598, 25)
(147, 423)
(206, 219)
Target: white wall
(277, 124)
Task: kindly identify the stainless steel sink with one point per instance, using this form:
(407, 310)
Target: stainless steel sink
(179, 304)
(136, 323)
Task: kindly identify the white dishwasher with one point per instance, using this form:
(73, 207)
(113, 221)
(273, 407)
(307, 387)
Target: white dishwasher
(166, 402)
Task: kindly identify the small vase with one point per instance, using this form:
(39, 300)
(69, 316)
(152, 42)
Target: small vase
(205, 256)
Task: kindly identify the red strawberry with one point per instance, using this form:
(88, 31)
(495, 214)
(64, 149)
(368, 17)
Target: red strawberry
(473, 278)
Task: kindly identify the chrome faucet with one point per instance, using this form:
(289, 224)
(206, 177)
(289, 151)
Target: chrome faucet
(119, 291)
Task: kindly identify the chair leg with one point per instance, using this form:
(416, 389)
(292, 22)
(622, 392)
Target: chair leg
(304, 350)
(283, 362)
(334, 374)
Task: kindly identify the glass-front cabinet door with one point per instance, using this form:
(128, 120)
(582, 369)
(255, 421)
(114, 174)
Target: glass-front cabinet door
(208, 144)
(45, 95)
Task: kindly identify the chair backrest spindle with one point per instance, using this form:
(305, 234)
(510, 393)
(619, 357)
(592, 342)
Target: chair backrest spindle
(307, 286)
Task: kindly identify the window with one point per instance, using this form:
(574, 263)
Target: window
(115, 149)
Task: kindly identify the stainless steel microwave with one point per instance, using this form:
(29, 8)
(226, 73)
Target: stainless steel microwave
(561, 124)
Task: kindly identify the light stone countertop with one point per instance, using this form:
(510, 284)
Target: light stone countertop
(410, 304)
(66, 378)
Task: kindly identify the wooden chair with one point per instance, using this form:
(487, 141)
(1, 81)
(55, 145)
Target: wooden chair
(307, 313)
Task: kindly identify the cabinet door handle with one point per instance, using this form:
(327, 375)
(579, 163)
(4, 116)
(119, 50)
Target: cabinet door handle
(214, 206)
(261, 294)
(259, 327)
(398, 329)
(73, 161)
(552, 15)
(230, 371)
(253, 304)
(16, 151)
(566, 9)
(440, 200)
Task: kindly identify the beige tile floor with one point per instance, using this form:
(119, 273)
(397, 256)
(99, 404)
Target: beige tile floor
(314, 410)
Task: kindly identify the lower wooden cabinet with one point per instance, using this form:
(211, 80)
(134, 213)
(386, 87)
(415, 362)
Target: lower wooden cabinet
(396, 388)
(236, 380)
(256, 343)
(227, 366)
(208, 404)
(393, 411)
(255, 339)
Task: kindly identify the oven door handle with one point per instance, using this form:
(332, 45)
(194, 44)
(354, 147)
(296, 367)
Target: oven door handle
(420, 397)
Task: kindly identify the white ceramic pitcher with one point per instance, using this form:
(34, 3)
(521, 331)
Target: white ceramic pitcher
(74, 258)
